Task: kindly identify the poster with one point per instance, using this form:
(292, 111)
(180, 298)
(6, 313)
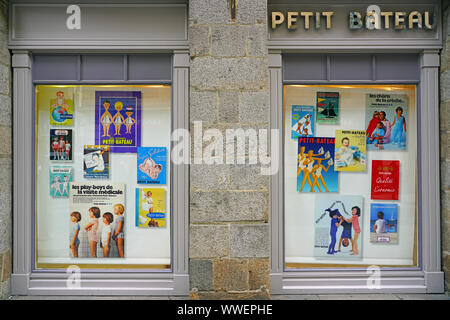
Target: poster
(59, 178)
(61, 110)
(385, 179)
(328, 107)
(384, 223)
(61, 144)
(118, 120)
(337, 226)
(302, 121)
(150, 207)
(350, 150)
(96, 220)
(386, 121)
(315, 165)
(96, 162)
(151, 165)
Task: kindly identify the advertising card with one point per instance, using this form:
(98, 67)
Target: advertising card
(96, 162)
(350, 150)
(150, 207)
(385, 179)
(59, 178)
(302, 121)
(61, 145)
(61, 109)
(327, 107)
(151, 165)
(384, 223)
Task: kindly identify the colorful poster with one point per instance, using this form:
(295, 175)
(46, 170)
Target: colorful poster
(118, 120)
(61, 144)
(328, 107)
(385, 179)
(151, 165)
(96, 162)
(150, 207)
(350, 150)
(302, 121)
(338, 220)
(59, 178)
(61, 110)
(384, 223)
(386, 117)
(97, 220)
(315, 165)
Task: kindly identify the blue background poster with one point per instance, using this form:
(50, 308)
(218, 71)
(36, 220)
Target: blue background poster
(390, 216)
(151, 165)
(302, 121)
(315, 165)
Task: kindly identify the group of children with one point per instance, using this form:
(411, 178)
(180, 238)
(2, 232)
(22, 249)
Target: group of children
(60, 149)
(108, 231)
(379, 129)
(338, 220)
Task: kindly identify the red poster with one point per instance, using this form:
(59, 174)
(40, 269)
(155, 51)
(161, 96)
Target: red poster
(385, 179)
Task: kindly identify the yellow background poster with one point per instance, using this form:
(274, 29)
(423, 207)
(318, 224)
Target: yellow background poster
(150, 207)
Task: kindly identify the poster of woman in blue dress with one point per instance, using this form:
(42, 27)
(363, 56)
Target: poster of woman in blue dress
(118, 120)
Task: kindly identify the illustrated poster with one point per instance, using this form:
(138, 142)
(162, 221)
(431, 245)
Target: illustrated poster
(302, 121)
(315, 165)
(328, 107)
(386, 119)
(61, 145)
(118, 120)
(96, 162)
(61, 109)
(350, 150)
(150, 207)
(385, 179)
(338, 224)
(384, 223)
(59, 178)
(96, 221)
(151, 165)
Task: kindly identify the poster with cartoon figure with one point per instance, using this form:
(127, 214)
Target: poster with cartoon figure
(96, 162)
(315, 165)
(150, 207)
(151, 165)
(59, 179)
(61, 109)
(118, 120)
(338, 220)
(302, 121)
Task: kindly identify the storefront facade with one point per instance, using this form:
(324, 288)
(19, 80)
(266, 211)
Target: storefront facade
(188, 211)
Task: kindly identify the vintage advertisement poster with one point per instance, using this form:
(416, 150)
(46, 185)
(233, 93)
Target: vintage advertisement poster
(384, 223)
(328, 107)
(151, 165)
(338, 220)
(97, 216)
(350, 150)
(118, 120)
(150, 207)
(59, 178)
(386, 118)
(61, 109)
(302, 121)
(96, 162)
(315, 165)
(61, 145)
(385, 179)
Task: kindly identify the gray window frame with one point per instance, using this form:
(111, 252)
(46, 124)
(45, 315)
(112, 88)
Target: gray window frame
(25, 280)
(428, 277)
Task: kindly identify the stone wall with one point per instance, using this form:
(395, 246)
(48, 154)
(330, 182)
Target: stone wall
(5, 155)
(229, 232)
(445, 143)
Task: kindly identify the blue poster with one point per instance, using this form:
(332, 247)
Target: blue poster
(60, 178)
(384, 223)
(302, 121)
(315, 165)
(151, 165)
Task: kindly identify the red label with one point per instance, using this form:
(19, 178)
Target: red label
(385, 179)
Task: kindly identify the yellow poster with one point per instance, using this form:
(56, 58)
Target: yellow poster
(150, 207)
(61, 109)
(350, 150)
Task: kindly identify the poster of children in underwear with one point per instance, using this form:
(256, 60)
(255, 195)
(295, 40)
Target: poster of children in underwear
(96, 220)
(338, 220)
(61, 145)
(328, 107)
(384, 223)
(151, 165)
(60, 178)
(350, 150)
(96, 162)
(302, 121)
(61, 109)
(118, 120)
(315, 165)
(150, 207)
(386, 121)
